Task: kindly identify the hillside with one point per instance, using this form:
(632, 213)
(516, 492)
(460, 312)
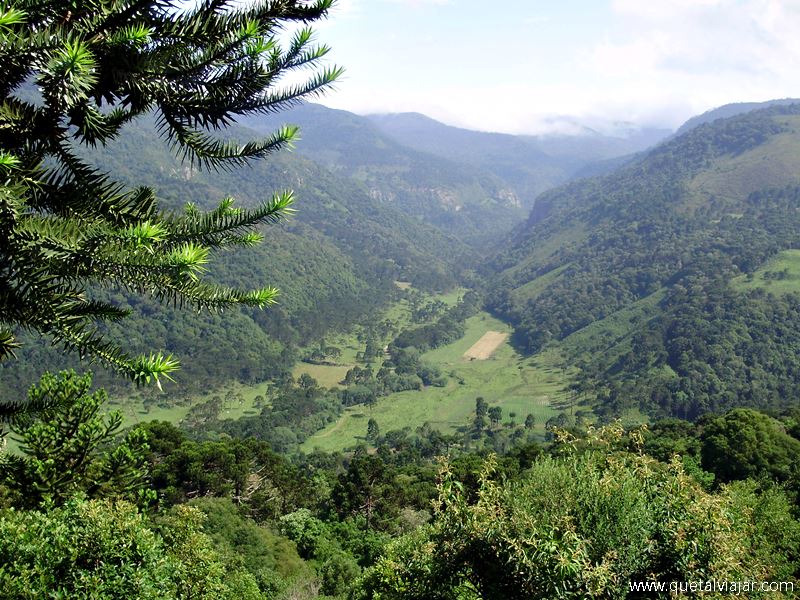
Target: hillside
(730, 110)
(335, 261)
(631, 273)
(530, 164)
(471, 203)
(527, 169)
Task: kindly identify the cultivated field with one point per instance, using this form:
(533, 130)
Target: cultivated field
(485, 347)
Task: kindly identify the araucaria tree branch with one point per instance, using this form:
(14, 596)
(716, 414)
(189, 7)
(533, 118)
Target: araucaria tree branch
(97, 65)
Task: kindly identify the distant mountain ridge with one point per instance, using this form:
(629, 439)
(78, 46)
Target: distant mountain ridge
(731, 110)
(526, 168)
(473, 204)
(531, 164)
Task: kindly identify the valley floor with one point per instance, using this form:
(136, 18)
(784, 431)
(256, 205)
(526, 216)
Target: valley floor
(519, 385)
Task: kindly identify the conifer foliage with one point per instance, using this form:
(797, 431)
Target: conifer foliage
(74, 73)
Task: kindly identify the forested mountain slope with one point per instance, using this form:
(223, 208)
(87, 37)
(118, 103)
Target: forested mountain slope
(636, 273)
(469, 202)
(730, 110)
(530, 164)
(526, 168)
(334, 262)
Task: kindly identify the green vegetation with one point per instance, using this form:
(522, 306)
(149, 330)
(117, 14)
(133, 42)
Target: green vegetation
(518, 385)
(69, 448)
(779, 275)
(68, 227)
(332, 275)
(472, 204)
(234, 519)
(378, 433)
(236, 400)
(104, 549)
(542, 536)
(677, 297)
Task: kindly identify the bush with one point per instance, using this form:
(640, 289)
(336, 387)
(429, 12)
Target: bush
(585, 525)
(106, 549)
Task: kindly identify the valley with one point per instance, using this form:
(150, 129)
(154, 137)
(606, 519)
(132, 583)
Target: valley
(480, 363)
(581, 300)
(518, 385)
(253, 347)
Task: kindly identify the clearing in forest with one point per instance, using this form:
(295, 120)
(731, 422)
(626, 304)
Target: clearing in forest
(485, 347)
(518, 384)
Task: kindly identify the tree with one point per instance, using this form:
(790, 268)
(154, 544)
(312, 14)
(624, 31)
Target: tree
(306, 382)
(495, 414)
(104, 549)
(584, 526)
(479, 423)
(481, 406)
(745, 443)
(66, 228)
(373, 431)
(67, 448)
(530, 421)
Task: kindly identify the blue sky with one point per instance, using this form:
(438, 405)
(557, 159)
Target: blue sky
(535, 66)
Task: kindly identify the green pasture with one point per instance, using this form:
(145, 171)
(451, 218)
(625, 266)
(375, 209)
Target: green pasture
(238, 400)
(517, 384)
(327, 376)
(612, 335)
(780, 275)
(534, 288)
(398, 313)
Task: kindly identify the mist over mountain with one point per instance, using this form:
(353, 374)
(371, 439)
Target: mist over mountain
(532, 164)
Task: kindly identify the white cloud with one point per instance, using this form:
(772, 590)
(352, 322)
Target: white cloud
(652, 62)
(709, 51)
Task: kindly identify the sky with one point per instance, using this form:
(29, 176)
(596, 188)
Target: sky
(538, 66)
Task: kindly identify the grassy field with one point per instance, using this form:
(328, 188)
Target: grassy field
(533, 289)
(238, 400)
(611, 335)
(734, 177)
(517, 384)
(398, 313)
(326, 375)
(781, 275)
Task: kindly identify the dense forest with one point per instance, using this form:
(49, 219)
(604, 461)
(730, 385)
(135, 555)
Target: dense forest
(233, 518)
(636, 274)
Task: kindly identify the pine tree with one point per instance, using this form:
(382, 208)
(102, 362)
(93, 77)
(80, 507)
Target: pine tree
(373, 431)
(70, 446)
(66, 228)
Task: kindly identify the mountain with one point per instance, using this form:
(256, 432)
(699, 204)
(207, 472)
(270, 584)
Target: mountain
(581, 151)
(731, 110)
(335, 262)
(472, 204)
(657, 280)
(511, 158)
(530, 164)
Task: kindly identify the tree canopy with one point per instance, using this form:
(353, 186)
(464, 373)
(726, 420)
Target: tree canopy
(74, 74)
